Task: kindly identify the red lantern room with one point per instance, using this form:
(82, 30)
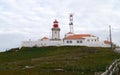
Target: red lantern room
(55, 24)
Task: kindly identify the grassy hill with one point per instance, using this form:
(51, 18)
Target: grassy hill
(56, 61)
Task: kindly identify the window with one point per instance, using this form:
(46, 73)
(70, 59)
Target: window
(91, 39)
(95, 40)
(69, 41)
(55, 32)
(88, 40)
(79, 41)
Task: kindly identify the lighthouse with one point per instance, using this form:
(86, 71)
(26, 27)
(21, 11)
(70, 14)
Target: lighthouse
(55, 31)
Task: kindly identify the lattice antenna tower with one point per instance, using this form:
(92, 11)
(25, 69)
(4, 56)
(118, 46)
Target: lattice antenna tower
(71, 22)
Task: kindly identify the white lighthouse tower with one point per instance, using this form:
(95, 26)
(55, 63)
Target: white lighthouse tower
(55, 31)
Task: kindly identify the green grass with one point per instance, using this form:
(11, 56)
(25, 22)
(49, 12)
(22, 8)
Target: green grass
(56, 61)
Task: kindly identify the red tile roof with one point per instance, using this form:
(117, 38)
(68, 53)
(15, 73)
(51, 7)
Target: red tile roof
(79, 36)
(107, 42)
(83, 35)
(44, 38)
(69, 33)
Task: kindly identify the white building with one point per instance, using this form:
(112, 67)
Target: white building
(70, 39)
(84, 40)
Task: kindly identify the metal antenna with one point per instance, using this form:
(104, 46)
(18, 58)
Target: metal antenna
(110, 35)
(71, 22)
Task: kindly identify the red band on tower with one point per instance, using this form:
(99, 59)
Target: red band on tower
(55, 24)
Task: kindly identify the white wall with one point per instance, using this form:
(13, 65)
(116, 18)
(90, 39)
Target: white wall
(93, 42)
(28, 43)
(88, 41)
(40, 43)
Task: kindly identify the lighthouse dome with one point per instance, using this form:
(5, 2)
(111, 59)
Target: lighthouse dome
(55, 21)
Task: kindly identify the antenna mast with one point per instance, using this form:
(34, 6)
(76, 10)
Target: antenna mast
(71, 22)
(110, 35)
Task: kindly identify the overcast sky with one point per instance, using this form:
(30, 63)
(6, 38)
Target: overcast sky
(22, 20)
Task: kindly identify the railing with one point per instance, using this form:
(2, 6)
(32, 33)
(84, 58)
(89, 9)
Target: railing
(113, 69)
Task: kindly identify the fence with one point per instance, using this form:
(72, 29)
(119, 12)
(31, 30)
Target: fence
(113, 69)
